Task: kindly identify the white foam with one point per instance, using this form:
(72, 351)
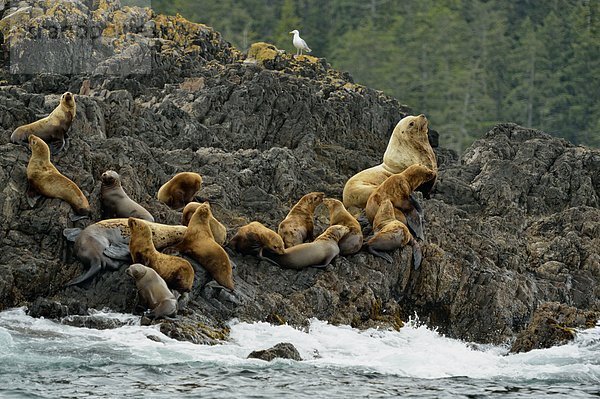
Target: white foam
(415, 351)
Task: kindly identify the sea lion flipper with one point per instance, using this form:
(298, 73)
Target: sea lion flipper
(415, 203)
(75, 218)
(417, 254)
(415, 223)
(32, 195)
(380, 254)
(117, 251)
(56, 146)
(92, 271)
(71, 234)
(268, 260)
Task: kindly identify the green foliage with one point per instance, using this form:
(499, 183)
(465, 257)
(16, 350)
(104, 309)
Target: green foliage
(466, 64)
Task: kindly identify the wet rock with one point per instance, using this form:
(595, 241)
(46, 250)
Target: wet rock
(510, 225)
(43, 307)
(96, 322)
(553, 324)
(283, 350)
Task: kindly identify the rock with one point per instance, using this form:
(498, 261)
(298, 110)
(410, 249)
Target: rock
(283, 350)
(510, 224)
(43, 307)
(553, 324)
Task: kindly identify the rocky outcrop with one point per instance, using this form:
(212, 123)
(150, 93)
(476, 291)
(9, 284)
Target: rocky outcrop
(553, 324)
(511, 224)
(283, 350)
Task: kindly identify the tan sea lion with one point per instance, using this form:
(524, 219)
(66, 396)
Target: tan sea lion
(353, 241)
(218, 229)
(298, 225)
(398, 188)
(199, 243)
(45, 179)
(116, 202)
(252, 238)
(318, 253)
(86, 88)
(390, 234)
(154, 292)
(180, 190)
(408, 145)
(105, 244)
(177, 272)
(53, 128)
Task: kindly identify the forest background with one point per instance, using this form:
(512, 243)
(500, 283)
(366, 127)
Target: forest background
(466, 64)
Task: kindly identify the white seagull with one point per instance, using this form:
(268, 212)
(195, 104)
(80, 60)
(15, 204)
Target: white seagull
(299, 43)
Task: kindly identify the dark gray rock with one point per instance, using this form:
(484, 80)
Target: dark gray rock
(283, 350)
(511, 224)
(553, 324)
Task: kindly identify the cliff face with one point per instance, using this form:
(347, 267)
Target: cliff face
(511, 225)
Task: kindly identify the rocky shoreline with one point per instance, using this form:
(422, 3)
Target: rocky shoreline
(512, 224)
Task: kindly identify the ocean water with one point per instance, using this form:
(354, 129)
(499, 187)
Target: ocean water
(43, 359)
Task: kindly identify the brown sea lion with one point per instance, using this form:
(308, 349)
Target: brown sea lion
(399, 188)
(390, 234)
(105, 244)
(218, 229)
(53, 128)
(154, 292)
(180, 190)
(408, 145)
(318, 253)
(177, 272)
(116, 202)
(252, 238)
(45, 179)
(353, 241)
(199, 243)
(298, 225)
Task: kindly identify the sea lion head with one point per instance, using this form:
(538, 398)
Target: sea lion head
(414, 125)
(274, 243)
(313, 199)
(202, 212)
(336, 232)
(188, 211)
(140, 227)
(38, 146)
(419, 172)
(110, 178)
(137, 271)
(332, 204)
(68, 99)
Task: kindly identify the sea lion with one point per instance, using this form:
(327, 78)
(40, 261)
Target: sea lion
(298, 225)
(390, 234)
(45, 179)
(252, 238)
(154, 292)
(318, 253)
(408, 145)
(86, 88)
(199, 243)
(180, 190)
(218, 229)
(116, 202)
(105, 244)
(353, 241)
(177, 272)
(53, 128)
(399, 188)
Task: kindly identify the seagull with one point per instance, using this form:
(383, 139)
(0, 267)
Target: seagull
(299, 43)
